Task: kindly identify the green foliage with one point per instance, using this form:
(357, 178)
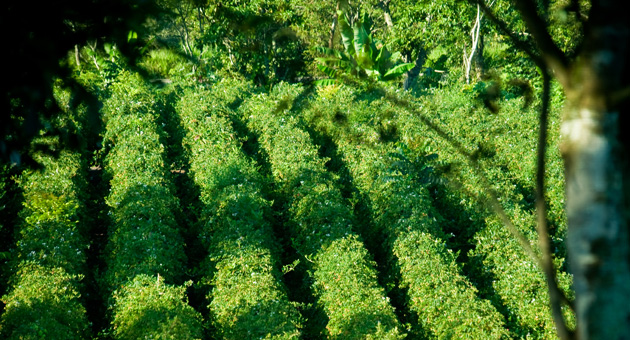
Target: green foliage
(363, 56)
(51, 233)
(255, 39)
(445, 302)
(505, 144)
(248, 297)
(319, 222)
(144, 238)
(50, 254)
(43, 304)
(147, 308)
(145, 248)
(163, 63)
(448, 265)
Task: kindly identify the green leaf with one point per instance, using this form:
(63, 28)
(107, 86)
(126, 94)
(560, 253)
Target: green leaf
(362, 46)
(347, 35)
(327, 51)
(344, 65)
(132, 36)
(397, 71)
(383, 60)
(327, 70)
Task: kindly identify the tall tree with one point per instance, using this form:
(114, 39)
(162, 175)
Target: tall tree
(595, 152)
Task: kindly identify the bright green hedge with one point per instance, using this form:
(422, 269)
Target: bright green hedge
(145, 244)
(49, 262)
(144, 238)
(147, 308)
(248, 298)
(44, 303)
(446, 303)
(320, 224)
(52, 232)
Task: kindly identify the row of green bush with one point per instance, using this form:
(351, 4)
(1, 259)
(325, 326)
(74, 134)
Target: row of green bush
(145, 252)
(49, 259)
(248, 299)
(506, 143)
(319, 221)
(445, 302)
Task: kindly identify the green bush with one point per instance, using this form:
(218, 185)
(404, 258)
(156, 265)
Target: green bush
(248, 298)
(50, 254)
(52, 232)
(320, 224)
(147, 308)
(505, 144)
(144, 238)
(145, 253)
(43, 304)
(445, 302)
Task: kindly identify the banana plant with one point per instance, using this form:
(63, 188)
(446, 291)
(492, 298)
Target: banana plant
(363, 56)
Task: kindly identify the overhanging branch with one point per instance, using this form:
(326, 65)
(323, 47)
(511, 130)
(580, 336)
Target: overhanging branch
(553, 57)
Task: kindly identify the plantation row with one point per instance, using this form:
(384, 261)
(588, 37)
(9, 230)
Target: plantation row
(320, 215)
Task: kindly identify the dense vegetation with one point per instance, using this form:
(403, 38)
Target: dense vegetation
(251, 173)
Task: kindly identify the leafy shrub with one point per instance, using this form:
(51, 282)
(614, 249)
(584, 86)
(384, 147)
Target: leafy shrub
(505, 143)
(147, 308)
(144, 238)
(43, 304)
(445, 302)
(43, 299)
(248, 299)
(145, 248)
(51, 232)
(320, 224)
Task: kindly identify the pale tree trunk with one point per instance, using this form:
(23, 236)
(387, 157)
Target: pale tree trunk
(384, 5)
(597, 177)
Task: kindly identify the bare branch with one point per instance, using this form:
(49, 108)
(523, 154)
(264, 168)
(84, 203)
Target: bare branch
(475, 40)
(503, 27)
(552, 55)
(556, 296)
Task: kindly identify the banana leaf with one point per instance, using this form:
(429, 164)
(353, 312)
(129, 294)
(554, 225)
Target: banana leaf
(347, 35)
(329, 71)
(325, 82)
(398, 70)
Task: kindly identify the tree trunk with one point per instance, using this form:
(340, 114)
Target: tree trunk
(384, 4)
(597, 177)
(333, 27)
(412, 75)
(478, 60)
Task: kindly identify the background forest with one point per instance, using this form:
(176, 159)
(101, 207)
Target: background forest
(274, 169)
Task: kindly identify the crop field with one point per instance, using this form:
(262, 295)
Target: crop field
(224, 212)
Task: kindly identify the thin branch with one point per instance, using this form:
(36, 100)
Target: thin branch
(556, 296)
(503, 27)
(475, 40)
(552, 55)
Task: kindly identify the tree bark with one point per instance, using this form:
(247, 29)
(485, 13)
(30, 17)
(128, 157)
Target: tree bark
(413, 74)
(596, 172)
